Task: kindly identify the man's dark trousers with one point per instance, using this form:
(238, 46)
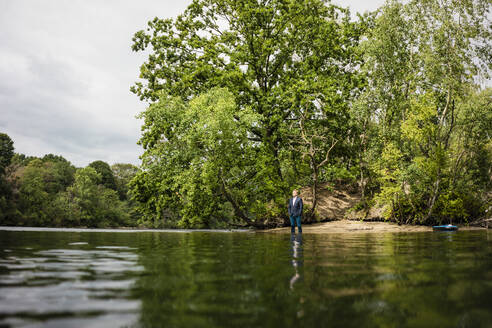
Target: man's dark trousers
(295, 213)
(293, 221)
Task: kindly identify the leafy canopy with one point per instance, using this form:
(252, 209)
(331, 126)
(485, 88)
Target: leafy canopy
(275, 58)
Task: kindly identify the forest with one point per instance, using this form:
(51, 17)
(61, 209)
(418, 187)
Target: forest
(51, 192)
(250, 99)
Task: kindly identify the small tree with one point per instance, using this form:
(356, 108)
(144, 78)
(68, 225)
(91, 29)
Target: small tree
(315, 143)
(107, 177)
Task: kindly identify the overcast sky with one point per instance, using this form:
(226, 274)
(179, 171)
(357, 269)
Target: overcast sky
(65, 72)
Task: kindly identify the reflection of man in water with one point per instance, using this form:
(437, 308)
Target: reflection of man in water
(296, 242)
(295, 212)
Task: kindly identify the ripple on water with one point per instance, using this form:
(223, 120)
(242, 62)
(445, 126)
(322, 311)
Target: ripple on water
(102, 321)
(245, 280)
(115, 247)
(82, 283)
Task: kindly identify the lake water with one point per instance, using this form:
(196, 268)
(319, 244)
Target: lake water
(241, 279)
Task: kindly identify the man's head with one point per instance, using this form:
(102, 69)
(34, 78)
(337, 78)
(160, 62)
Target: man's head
(294, 193)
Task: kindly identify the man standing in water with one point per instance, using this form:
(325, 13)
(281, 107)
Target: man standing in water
(295, 212)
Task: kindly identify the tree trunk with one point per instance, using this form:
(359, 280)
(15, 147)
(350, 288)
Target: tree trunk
(362, 184)
(314, 189)
(432, 200)
(237, 209)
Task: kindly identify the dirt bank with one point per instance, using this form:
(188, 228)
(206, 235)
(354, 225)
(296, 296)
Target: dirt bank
(333, 201)
(349, 226)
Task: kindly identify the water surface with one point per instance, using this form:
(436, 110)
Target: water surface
(216, 279)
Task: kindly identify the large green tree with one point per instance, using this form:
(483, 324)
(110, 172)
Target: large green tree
(277, 58)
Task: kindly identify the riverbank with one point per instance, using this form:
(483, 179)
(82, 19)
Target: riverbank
(337, 226)
(350, 226)
(121, 229)
(336, 207)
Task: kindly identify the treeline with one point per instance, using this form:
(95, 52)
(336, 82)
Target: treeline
(51, 192)
(249, 99)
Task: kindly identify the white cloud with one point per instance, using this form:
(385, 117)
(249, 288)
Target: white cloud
(65, 72)
(359, 6)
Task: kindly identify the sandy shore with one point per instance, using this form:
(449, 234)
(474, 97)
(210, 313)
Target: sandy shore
(350, 226)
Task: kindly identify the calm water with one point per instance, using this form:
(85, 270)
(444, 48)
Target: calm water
(216, 279)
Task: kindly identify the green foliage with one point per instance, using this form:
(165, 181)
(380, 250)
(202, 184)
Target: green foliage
(33, 196)
(421, 59)
(340, 174)
(21, 159)
(279, 59)
(89, 203)
(6, 155)
(49, 191)
(107, 177)
(39, 184)
(197, 159)
(6, 151)
(123, 173)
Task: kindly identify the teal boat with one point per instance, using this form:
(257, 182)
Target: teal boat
(448, 227)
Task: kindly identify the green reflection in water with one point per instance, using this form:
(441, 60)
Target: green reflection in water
(208, 279)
